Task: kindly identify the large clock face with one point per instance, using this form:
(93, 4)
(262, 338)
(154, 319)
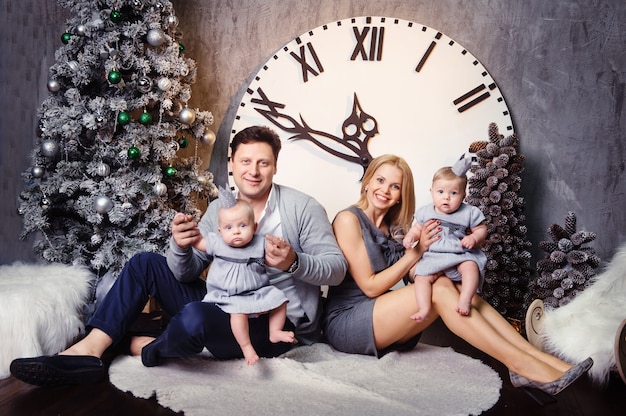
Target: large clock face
(357, 88)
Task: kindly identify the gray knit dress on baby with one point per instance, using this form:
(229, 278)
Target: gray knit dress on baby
(447, 253)
(237, 281)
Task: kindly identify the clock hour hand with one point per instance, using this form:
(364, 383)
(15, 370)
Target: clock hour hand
(350, 147)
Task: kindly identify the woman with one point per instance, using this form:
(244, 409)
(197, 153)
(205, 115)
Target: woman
(364, 316)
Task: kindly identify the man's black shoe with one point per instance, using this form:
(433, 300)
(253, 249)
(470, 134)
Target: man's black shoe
(58, 370)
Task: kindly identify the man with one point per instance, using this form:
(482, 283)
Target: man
(301, 255)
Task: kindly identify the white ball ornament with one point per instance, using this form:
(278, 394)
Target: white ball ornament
(96, 239)
(187, 116)
(53, 85)
(144, 84)
(49, 148)
(103, 170)
(164, 84)
(202, 180)
(81, 30)
(208, 137)
(174, 145)
(74, 66)
(37, 171)
(172, 21)
(155, 37)
(159, 188)
(103, 204)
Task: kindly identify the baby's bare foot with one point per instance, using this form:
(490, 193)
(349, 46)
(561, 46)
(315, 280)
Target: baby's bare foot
(282, 336)
(250, 354)
(419, 317)
(463, 308)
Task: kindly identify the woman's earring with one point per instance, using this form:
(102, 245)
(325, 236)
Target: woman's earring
(365, 190)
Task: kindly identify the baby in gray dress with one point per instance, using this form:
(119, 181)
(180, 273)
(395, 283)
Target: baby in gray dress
(237, 281)
(457, 251)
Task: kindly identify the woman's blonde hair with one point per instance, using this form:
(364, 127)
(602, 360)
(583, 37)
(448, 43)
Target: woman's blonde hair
(400, 216)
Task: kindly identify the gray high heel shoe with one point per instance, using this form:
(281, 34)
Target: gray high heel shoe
(556, 386)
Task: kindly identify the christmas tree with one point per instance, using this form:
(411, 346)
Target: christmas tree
(494, 188)
(108, 173)
(568, 266)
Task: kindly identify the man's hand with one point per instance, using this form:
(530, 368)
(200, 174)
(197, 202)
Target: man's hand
(185, 230)
(278, 252)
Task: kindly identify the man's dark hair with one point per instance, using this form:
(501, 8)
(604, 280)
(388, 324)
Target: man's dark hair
(256, 134)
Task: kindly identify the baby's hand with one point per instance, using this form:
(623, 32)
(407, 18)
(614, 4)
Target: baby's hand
(469, 242)
(412, 237)
(409, 242)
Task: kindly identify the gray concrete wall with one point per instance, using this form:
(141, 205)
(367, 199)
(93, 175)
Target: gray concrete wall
(560, 65)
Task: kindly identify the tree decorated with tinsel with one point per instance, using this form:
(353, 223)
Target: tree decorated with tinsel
(493, 187)
(568, 266)
(108, 173)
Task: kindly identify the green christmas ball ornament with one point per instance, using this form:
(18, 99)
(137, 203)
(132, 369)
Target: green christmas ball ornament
(134, 153)
(170, 171)
(181, 48)
(145, 118)
(183, 142)
(65, 38)
(123, 118)
(114, 77)
(116, 16)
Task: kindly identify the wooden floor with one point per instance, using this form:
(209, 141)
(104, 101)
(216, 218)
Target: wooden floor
(19, 399)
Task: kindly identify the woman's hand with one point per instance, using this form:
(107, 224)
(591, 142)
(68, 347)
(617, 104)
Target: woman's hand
(430, 234)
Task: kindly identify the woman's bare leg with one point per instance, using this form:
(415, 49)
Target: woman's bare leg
(508, 332)
(94, 344)
(392, 322)
(479, 331)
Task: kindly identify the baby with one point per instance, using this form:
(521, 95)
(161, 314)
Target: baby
(237, 281)
(457, 252)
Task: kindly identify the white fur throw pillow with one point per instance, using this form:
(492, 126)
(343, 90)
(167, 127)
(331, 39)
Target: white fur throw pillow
(587, 326)
(40, 309)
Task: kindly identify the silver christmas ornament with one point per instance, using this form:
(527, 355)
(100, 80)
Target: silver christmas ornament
(53, 85)
(73, 66)
(103, 204)
(187, 116)
(81, 30)
(137, 5)
(49, 148)
(103, 169)
(164, 84)
(172, 21)
(155, 37)
(159, 188)
(97, 22)
(144, 84)
(202, 180)
(208, 137)
(96, 239)
(174, 145)
(37, 171)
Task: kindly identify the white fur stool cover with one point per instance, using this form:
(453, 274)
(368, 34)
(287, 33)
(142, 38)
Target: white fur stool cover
(40, 309)
(587, 326)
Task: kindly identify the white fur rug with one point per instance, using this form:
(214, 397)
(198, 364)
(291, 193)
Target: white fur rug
(586, 327)
(316, 380)
(40, 309)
